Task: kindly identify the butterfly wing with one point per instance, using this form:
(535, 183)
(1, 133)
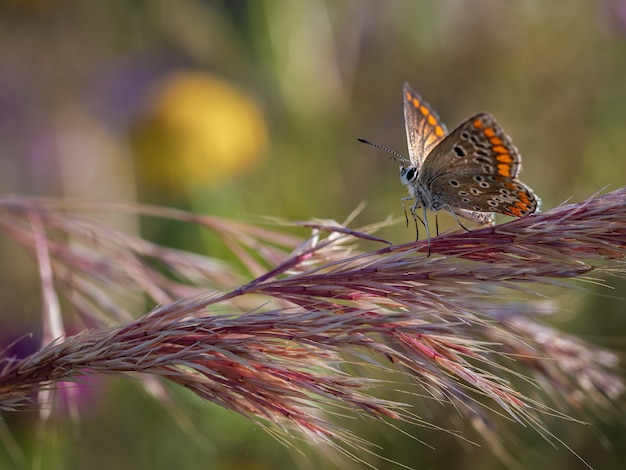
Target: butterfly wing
(483, 218)
(424, 130)
(485, 193)
(477, 146)
(475, 169)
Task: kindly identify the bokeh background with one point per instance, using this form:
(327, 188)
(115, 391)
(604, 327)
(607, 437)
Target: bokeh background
(248, 108)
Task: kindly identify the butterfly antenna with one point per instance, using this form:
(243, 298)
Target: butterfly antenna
(392, 152)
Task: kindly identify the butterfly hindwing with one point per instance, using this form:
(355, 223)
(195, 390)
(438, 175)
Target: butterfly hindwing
(484, 193)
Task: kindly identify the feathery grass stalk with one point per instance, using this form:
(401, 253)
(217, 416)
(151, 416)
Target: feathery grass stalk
(277, 344)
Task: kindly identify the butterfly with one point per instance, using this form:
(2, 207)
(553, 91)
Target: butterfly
(470, 172)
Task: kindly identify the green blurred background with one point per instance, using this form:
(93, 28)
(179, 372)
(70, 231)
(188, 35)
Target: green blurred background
(247, 108)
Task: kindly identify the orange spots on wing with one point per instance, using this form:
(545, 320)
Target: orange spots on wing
(489, 132)
(495, 141)
(439, 131)
(504, 158)
(504, 169)
(477, 124)
(512, 210)
(431, 120)
(523, 197)
(415, 101)
(424, 110)
(500, 149)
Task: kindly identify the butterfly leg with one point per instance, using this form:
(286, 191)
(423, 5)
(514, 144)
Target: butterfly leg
(404, 199)
(413, 215)
(425, 222)
(415, 218)
(456, 218)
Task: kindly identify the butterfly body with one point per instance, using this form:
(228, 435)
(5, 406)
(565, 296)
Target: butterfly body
(471, 172)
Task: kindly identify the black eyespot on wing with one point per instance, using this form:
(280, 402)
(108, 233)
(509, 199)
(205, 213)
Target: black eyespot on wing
(459, 151)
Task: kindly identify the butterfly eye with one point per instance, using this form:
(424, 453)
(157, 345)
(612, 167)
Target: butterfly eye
(410, 174)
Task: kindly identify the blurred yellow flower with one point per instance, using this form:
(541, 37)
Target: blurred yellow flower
(199, 131)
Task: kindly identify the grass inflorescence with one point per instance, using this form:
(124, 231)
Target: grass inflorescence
(278, 335)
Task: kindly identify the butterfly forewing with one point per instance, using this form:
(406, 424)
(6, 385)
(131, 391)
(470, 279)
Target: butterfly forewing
(424, 130)
(475, 169)
(477, 146)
